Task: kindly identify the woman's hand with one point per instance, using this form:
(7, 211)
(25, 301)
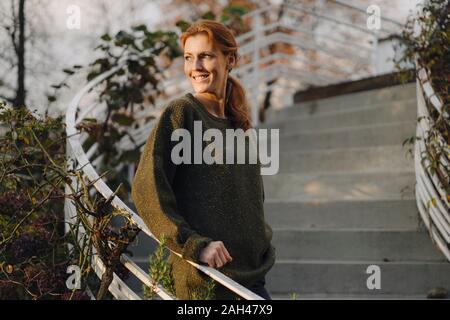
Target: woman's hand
(215, 254)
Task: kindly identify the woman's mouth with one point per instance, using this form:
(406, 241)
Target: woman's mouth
(200, 77)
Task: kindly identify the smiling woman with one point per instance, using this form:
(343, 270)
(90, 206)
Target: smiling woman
(210, 213)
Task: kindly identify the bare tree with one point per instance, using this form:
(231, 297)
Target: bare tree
(19, 48)
(25, 55)
(16, 32)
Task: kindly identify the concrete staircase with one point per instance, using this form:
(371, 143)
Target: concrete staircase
(344, 200)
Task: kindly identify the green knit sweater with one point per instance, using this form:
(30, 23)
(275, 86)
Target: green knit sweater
(194, 204)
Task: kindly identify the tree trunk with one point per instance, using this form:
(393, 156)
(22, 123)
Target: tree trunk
(20, 93)
(107, 278)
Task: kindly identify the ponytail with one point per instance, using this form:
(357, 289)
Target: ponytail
(236, 104)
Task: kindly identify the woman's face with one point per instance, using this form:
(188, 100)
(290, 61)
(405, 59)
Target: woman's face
(205, 65)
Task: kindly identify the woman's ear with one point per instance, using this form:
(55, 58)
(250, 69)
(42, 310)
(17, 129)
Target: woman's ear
(231, 61)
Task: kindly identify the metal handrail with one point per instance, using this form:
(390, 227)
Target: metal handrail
(431, 199)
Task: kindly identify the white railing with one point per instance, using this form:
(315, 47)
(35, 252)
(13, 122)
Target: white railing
(254, 69)
(432, 200)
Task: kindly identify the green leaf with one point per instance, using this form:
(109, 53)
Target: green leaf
(434, 202)
(141, 27)
(106, 37)
(123, 119)
(183, 25)
(51, 98)
(68, 71)
(235, 10)
(209, 16)
(101, 61)
(92, 120)
(92, 75)
(124, 38)
(148, 43)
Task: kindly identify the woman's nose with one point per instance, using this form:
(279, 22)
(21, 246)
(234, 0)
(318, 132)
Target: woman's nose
(198, 64)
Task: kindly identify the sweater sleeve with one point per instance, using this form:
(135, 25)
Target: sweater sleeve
(152, 190)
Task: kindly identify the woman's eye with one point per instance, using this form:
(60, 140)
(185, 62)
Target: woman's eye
(207, 56)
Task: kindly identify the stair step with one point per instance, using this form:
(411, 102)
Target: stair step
(350, 277)
(347, 244)
(377, 214)
(358, 136)
(339, 186)
(346, 101)
(395, 157)
(382, 113)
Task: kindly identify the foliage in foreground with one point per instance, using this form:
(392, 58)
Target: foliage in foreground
(160, 272)
(33, 255)
(36, 246)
